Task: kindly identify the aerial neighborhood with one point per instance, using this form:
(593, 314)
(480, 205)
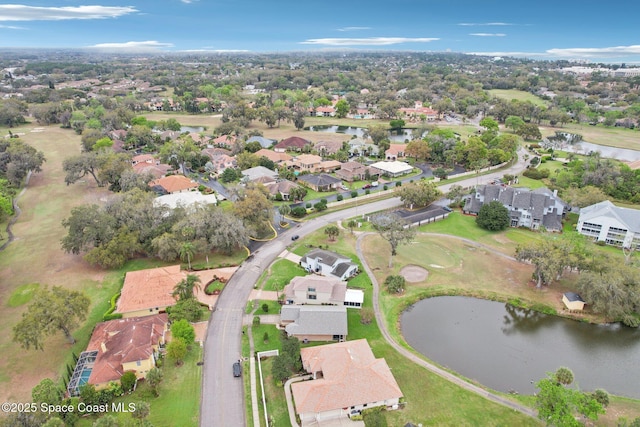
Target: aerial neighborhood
(217, 239)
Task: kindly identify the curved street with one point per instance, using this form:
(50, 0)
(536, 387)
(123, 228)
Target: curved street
(222, 399)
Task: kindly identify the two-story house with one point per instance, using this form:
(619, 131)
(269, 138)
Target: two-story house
(327, 263)
(606, 222)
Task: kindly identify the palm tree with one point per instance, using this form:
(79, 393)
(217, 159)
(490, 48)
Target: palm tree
(186, 251)
(284, 210)
(184, 288)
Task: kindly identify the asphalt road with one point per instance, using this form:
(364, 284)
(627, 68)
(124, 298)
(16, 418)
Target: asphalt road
(222, 401)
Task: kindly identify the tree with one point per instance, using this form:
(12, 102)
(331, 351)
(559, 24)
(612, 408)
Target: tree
(557, 404)
(141, 411)
(184, 288)
(189, 309)
(283, 210)
(352, 223)
(77, 167)
(106, 421)
(128, 381)
(51, 311)
(418, 194)
(187, 250)
(397, 124)
(177, 350)
(255, 209)
(393, 229)
(456, 193)
(179, 152)
(17, 159)
(47, 392)
(418, 149)
(489, 124)
(551, 256)
(279, 369)
(395, 284)
(154, 379)
(564, 375)
(529, 131)
(514, 123)
(184, 330)
(377, 133)
(493, 216)
(342, 108)
(298, 193)
(332, 231)
(265, 307)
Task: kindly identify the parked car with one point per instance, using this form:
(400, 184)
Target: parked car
(295, 237)
(237, 369)
(364, 187)
(344, 187)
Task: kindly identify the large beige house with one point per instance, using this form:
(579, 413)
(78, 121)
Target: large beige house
(347, 378)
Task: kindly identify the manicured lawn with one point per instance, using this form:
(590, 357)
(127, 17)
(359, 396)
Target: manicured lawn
(23, 294)
(273, 307)
(179, 394)
(520, 95)
(282, 271)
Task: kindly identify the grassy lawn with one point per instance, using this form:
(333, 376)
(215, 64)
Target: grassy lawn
(179, 395)
(610, 136)
(520, 95)
(273, 307)
(282, 271)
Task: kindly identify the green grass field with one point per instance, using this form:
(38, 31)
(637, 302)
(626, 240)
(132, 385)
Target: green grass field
(282, 271)
(520, 95)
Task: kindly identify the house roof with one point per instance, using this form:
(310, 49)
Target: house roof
(322, 284)
(122, 341)
(319, 180)
(324, 256)
(352, 166)
(283, 186)
(315, 319)
(157, 171)
(329, 147)
(572, 297)
(342, 268)
(308, 159)
(273, 156)
(354, 295)
(393, 167)
(185, 199)
(351, 375)
(292, 142)
(396, 148)
(173, 183)
(215, 151)
(146, 289)
(259, 171)
(147, 158)
(330, 164)
(629, 217)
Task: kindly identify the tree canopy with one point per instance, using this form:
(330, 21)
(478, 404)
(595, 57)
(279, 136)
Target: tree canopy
(51, 310)
(493, 216)
(418, 194)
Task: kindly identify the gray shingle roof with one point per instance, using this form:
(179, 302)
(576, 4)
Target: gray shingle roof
(319, 180)
(315, 319)
(341, 268)
(572, 296)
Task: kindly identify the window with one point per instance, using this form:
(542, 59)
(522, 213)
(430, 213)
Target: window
(311, 289)
(138, 363)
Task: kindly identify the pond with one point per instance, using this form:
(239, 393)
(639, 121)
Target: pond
(402, 136)
(509, 349)
(191, 129)
(571, 142)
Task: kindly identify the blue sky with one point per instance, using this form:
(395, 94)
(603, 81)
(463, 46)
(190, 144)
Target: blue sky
(543, 29)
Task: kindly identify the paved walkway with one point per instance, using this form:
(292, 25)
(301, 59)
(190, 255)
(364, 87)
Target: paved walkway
(265, 319)
(252, 371)
(418, 360)
(290, 256)
(259, 294)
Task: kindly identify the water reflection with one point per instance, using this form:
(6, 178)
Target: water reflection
(506, 347)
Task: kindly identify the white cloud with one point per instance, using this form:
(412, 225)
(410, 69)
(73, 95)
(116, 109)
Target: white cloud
(485, 24)
(354, 28)
(517, 54)
(369, 41)
(12, 27)
(20, 12)
(150, 45)
(488, 34)
(188, 1)
(589, 52)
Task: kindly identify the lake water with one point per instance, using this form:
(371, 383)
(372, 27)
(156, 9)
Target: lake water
(402, 136)
(191, 129)
(507, 348)
(567, 142)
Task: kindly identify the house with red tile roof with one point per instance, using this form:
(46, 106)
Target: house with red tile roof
(418, 111)
(276, 158)
(395, 151)
(119, 346)
(293, 143)
(351, 171)
(147, 292)
(347, 378)
(326, 148)
(174, 184)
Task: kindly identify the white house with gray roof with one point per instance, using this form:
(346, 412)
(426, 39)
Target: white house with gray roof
(527, 208)
(327, 263)
(606, 222)
(315, 322)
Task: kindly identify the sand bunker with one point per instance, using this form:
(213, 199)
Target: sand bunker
(414, 273)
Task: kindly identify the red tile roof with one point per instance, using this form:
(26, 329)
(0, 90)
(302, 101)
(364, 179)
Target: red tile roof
(292, 142)
(151, 288)
(174, 183)
(351, 375)
(122, 341)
